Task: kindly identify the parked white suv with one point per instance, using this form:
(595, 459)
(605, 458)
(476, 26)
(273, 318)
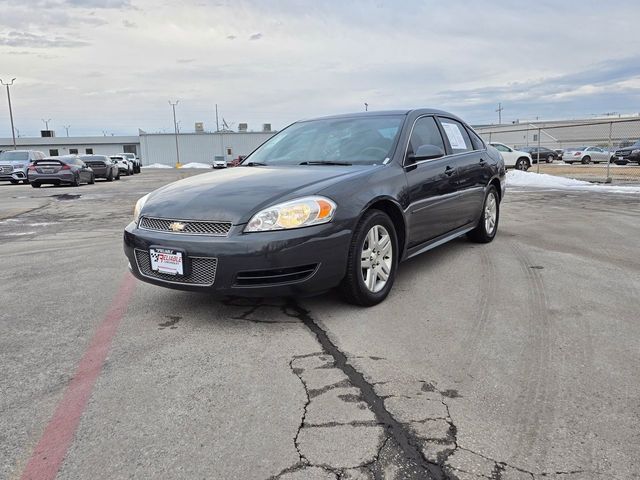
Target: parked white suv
(14, 164)
(125, 166)
(135, 160)
(513, 158)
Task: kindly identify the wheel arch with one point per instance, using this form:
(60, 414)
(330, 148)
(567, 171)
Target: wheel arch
(395, 213)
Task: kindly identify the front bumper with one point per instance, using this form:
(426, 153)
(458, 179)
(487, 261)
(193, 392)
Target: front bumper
(321, 249)
(624, 159)
(15, 174)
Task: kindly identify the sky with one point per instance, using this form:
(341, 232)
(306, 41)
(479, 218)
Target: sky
(111, 66)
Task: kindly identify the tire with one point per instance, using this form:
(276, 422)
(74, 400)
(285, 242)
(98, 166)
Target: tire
(25, 181)
(484, 233)
(522, 164)
(110, 177)
(567, 161)
(14, 182)
(92, 180)
(35, 185)
(76, 181)
(550, 159)
(586, 160)
(353, 286)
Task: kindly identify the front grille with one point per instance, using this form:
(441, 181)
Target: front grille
(6, 169)
(203, 270)
(623, 153)
(256, 278)
(193, 227)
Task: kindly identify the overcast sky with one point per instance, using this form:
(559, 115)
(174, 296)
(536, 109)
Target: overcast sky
(112, 65)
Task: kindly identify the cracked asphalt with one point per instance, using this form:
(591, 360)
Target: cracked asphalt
(514, 360)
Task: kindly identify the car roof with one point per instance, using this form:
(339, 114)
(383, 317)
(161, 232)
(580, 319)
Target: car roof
(378, 113)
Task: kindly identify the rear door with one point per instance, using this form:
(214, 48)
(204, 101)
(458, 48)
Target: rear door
(432, 185)
(470, 159)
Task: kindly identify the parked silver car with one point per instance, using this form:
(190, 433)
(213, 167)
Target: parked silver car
(586, 155)
(14, 164)
(137, 165)
(102, 166)
(64, 170)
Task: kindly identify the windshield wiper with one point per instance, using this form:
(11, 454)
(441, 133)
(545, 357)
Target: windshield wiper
(324, 162)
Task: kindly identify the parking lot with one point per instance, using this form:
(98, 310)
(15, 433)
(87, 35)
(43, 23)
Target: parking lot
(512, 360)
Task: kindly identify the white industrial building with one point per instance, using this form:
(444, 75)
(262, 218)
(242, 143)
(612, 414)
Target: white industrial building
(150, 147)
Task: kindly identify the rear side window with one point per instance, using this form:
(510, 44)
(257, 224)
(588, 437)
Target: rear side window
(477, 142)
(425, 132)
(456, 135)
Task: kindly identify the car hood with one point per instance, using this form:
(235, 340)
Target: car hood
(236, 194)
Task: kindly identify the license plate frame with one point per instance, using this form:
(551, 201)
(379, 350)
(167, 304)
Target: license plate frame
(169, 261)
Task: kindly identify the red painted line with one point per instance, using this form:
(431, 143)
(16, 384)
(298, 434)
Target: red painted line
(58, 435)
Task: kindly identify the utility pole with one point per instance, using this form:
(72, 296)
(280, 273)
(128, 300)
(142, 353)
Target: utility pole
(175, 130)
(13, 129)
(217, 124)
(46, 123)
(67, 127)
(499, 110)
(366, 107)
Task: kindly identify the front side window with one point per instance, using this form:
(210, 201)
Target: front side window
(457, 135)
(367, 140)
(425, 132)
(501, 148)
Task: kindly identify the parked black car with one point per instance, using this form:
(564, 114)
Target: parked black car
(102, 166)
(542, 153)
(326, 202)
(63, 170)
(629, 154)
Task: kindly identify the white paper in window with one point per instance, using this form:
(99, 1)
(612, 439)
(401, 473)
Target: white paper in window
(454, 135)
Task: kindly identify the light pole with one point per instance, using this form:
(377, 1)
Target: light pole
(499, 110)
(366, 107)
(46, 123)
(67, 127)
(175, 131)
(13, 129)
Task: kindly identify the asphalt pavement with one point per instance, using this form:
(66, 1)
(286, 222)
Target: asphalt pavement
(513, 360)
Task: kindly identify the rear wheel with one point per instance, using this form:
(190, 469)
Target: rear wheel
(487, 226)
(76, 181)
(550, 159)
(372, 260)
(110, 177)
(586, 160)
(522, 164)
(35, 185)
(92, 180)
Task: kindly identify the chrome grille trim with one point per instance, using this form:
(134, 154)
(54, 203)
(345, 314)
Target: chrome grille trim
(6, 168)
(192, 227)
(203, 270)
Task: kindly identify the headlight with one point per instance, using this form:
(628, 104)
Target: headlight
(635, 152)
(302, 212)
(139, 204)
(18, 165)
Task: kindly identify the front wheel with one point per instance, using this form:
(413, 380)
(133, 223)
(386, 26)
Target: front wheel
(35, 185)
(522, 164)
(372, 260)
(487, 226)
(550, 159)
(586, 160)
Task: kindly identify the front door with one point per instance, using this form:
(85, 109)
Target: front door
(432, 186)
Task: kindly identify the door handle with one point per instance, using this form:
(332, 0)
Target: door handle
(448, 171)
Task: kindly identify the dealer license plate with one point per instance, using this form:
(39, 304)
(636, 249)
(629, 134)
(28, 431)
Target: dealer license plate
(167, 261)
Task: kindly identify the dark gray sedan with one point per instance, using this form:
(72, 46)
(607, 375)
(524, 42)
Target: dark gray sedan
(102, 166)
(64, 170)
(336, 201)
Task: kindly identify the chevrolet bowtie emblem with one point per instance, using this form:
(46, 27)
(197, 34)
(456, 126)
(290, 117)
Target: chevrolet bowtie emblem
(176, 226)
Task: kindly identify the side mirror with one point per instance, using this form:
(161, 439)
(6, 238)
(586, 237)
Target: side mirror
(426, 152)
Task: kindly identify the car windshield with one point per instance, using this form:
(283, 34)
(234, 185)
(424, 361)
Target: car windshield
(342, 141)
(12, 156)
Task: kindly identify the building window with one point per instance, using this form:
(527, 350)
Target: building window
(535, 137)
(73, 151)
(228, 150)
(88, 151)
(53, 152)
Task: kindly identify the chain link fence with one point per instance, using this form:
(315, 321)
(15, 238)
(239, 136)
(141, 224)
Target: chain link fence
(598, 151)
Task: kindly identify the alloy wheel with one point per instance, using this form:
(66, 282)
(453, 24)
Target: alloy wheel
(376, 258)
(490, 213)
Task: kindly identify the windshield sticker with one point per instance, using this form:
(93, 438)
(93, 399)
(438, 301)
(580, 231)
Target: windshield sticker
(454, 135)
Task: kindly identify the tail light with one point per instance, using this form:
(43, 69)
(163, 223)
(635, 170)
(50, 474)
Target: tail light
(577, 154)
(65, 167)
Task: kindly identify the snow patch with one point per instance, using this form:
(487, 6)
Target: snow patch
(157, 165)
(518, 178)
(196, 165)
